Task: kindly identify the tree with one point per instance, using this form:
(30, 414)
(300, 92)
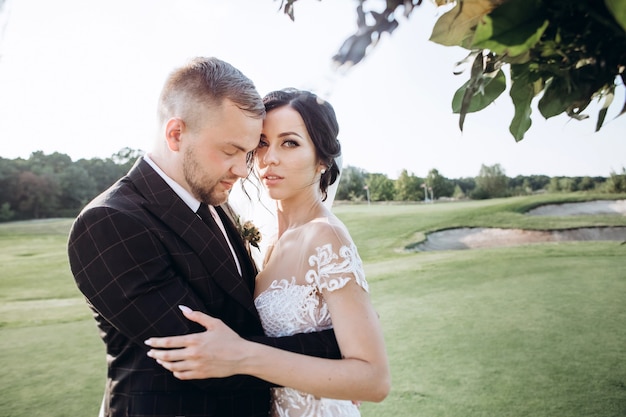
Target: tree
(52, 185)
(538, 182)
(9, 171)
(520, 185)
(617, 182)
(125, 158)
(351, 184)
(77, 188)
(6, 213)
(569, 52)
(52, 164)
(586, 184)
(104, 172)
(36, 195)
(407, 187)
(491, 182)
(458, 193)
(381, 188)
(441, 186)
(466, 184)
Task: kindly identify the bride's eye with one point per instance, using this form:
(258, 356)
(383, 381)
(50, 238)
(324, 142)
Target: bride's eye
(262, 143)
(290, 143)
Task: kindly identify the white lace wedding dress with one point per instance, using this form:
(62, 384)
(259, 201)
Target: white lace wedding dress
(294, 301)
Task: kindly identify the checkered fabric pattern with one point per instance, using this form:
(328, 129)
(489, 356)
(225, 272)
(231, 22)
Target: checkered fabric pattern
(137, 252)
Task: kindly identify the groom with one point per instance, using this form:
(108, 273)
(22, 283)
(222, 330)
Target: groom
(158, 238)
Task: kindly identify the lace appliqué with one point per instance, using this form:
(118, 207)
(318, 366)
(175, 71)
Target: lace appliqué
(287, 402)
(287, 308)
(331, 275)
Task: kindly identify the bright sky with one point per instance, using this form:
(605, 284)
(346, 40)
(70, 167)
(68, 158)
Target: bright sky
(82, 78)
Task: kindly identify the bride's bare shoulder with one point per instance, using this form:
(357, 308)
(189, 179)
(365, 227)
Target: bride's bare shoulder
(324, 230)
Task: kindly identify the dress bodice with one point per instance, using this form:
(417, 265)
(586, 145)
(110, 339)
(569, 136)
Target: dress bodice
(297, 305)
(287, 307)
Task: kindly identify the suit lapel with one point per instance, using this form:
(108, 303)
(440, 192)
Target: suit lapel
(249, 270)
(214, 254)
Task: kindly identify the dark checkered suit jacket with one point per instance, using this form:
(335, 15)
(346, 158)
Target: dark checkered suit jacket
(137, 251)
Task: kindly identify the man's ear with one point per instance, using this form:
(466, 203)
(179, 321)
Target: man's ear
(173, 132)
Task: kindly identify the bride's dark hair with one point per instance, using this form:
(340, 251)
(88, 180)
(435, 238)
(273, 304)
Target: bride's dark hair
(321, 124)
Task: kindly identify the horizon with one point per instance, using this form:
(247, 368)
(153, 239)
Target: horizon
(83, 80)
(74, 160)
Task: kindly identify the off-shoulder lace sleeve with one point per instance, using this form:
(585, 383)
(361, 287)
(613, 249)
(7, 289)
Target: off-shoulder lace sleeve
(333, 270)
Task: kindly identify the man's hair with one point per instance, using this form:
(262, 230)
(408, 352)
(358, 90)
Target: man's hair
(204, 83)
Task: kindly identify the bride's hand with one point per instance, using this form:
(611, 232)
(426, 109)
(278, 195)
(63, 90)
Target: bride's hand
(214, 353)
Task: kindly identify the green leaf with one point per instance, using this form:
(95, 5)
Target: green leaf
(605, 107)
(481, 97)
(554, 100)
(623, 111)
(618, 10)
(456, 26)
(601, 117)
(512, 28)
(522, 93)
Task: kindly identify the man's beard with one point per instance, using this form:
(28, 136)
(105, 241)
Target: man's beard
(203, 188)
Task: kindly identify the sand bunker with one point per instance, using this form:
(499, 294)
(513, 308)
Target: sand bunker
(478, 237)
(587, 207)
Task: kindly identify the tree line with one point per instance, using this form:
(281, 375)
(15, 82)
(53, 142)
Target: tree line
(47, 186)
(491, 182)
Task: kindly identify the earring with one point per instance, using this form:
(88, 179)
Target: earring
(323, 171)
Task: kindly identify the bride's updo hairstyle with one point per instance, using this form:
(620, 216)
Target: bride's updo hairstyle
(321, 124)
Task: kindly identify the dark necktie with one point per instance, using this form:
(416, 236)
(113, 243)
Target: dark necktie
(248, 268)
(226, 213)
(207, 217)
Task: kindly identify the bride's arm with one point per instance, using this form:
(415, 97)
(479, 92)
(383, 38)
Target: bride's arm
(362, 375)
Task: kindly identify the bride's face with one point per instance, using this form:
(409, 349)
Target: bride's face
(286, 160)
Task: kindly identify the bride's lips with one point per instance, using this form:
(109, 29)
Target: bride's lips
(271, 179)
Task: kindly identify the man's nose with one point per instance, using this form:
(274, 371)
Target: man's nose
(240, 168)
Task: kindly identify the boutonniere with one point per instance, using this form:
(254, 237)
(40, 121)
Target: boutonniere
(249, 232)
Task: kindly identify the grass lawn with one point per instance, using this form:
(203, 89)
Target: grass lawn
(534, 330)
(531, 331)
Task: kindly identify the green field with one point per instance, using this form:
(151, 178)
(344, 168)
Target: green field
(536, 330)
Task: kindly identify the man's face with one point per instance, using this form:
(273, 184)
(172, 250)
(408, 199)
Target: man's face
(214, 156)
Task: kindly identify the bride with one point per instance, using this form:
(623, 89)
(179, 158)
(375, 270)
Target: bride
(311, 279)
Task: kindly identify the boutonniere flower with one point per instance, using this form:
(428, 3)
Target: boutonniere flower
(249, 232)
